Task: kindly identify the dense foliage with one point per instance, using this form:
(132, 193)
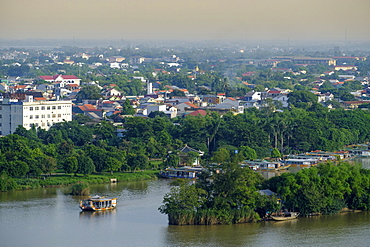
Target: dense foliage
(324, 189)
(85, 149)
(230, 197)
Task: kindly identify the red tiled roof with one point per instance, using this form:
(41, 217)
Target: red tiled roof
(248, 73)
(40, 98)
(66, 77)
(46, 77)
(356, 102)
(89, 106)
(50, 78)
(198, 112)
(72, 85)
(191, 105)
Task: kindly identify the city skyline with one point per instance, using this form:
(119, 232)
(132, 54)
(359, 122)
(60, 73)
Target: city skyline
(295, 20)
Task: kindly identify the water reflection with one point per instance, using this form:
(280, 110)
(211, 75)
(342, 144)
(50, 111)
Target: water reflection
(97, 214)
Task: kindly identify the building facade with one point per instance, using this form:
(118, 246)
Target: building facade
(29, 112)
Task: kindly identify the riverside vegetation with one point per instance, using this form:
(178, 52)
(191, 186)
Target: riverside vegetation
(76, 148)
(231, 196)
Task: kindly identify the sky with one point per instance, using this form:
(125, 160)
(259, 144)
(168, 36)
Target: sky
(332, 20)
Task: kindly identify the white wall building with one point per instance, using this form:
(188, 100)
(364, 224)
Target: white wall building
(42, 113)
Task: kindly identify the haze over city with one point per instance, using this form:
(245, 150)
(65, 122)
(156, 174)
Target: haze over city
(295, 20)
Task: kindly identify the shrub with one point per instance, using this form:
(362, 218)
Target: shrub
(80, 189)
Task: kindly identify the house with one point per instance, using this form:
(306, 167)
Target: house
(185, 106)
(112, 92)
(197, 113)
(345, 67)
(185, 157)
(68, 61)
(256, 96)
(354, 104)
(212, 99)
(23, 88)
(64, 79)
(230, 104)
(325, 97)
(137, 60)
(118, 59)
(88, 110)
(114, 65)
(283, 98)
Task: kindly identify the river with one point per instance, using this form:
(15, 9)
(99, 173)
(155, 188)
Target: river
(51, 217)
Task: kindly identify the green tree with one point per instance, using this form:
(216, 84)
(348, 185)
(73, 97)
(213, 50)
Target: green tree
(247, 153)
(113, 164)
(70, 164)
(127, 108)
(275, 153)
(88, 92)
(137, 161)
(85, 165)
(302, 99)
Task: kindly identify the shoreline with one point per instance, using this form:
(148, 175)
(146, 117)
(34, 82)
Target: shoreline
(65, 180)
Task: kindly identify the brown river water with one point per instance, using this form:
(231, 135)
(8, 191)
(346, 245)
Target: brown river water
(51, 217)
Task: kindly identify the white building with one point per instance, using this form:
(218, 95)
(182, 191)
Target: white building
(28, 112)
(62, 79)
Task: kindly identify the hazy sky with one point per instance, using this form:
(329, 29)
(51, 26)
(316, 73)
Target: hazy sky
(186, 19)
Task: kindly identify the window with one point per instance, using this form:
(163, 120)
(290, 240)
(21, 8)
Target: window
(42, 116)
(31, 116)
(53, 116)
(48, 115)
(42, 107)
(48, 108)
(37, 116)
(36, 108)
(31, 108)
(54, 107)
(59, 115)
(59, 107)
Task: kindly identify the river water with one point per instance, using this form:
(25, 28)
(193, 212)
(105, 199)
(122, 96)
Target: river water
(51, 217)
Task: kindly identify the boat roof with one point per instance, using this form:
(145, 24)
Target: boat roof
(100, 198)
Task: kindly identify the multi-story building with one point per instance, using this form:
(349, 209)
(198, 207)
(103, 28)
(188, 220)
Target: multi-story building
(26, 111)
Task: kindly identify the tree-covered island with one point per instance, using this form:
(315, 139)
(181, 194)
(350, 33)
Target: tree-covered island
(232, 195)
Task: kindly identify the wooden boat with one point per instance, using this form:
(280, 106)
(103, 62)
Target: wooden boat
(284, 216)
(98, 203)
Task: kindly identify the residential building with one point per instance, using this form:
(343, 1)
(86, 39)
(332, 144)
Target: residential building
(63, 79)
(25, 110)
(345, 67)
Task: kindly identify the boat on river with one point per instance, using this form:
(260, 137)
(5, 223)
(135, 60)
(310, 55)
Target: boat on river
(284, 216)
(98, 203)
(181, 172)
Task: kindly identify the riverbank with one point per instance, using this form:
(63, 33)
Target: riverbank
(61, 180)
